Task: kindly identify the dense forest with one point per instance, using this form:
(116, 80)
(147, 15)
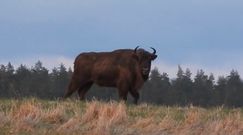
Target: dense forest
(201, 90)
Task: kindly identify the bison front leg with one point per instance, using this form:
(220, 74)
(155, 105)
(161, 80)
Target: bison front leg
(123, 91)
(135, 95)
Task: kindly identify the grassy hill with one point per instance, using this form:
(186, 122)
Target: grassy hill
(34, 116)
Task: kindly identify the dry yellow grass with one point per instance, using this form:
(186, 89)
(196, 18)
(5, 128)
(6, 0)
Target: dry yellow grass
(32, 116)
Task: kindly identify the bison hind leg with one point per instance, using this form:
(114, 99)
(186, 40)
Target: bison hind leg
(73, 86)
(84, 89)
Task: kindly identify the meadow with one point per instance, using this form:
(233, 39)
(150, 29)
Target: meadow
(73, 117)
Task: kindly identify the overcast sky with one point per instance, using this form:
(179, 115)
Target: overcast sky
(196, 34)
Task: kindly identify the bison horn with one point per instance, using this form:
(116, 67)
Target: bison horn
(153, 50)
(135, 50)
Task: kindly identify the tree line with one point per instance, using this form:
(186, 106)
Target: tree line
(201, 90)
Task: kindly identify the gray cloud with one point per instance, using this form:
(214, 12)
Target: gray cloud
(201, 32)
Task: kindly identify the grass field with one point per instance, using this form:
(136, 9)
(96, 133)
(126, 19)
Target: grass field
(33, 116)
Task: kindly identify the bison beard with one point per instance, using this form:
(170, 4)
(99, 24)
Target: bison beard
(125, 69)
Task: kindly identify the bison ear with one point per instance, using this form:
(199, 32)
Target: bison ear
(154, 57)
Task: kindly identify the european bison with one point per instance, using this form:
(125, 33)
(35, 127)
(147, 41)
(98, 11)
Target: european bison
(125, 69)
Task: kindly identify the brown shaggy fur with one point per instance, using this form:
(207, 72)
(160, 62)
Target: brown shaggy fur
(125, 69)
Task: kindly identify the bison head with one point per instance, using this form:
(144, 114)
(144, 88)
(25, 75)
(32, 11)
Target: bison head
(145, 58)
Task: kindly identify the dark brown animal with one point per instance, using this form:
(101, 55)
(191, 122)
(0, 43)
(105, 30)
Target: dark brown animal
(125, 69)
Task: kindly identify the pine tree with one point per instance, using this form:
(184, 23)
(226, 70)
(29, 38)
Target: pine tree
(203, 89)
(154, 93)
(10, 87)
(3, 82)
(182, 87)
(220, 91)
(40, 81)
(59, 81)
(22, 82)
(234, 91)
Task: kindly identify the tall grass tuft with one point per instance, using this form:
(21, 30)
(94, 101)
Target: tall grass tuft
(33, 116)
